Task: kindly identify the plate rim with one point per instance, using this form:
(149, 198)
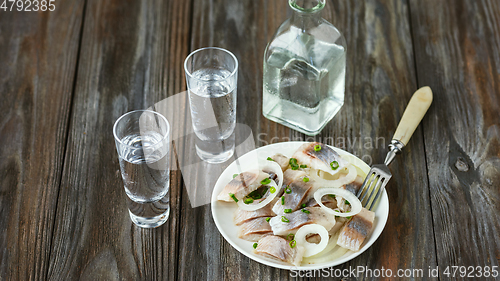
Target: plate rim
(282, 265)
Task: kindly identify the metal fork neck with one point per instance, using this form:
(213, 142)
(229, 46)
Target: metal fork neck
(394, 148)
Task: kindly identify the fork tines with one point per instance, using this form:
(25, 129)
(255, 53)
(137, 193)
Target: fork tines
(374, 184)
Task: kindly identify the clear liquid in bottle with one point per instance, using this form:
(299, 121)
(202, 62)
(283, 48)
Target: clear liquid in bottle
(304, 77)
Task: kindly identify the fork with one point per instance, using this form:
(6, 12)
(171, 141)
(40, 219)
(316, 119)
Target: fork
(379, 174)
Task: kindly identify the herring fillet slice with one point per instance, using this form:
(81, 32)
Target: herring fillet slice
(326, 200)
(254, 229)
(299, 218)
(298, 191)
(356, 230)
(339, 222)
(319, 160)
(290, 176)
(353, 187)
(242, 216)
(242, 185)
(282, 160)
(279, 248)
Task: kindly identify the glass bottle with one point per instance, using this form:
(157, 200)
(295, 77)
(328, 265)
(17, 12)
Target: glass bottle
(304, 70)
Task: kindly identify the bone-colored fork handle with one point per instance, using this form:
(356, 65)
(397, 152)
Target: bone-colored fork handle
(414, 112)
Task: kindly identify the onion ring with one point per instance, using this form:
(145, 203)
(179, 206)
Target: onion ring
(331, 255)
(325, 254)
(311, 248)
(347, 195)
(313, 174)
(275, 168)
(332, 243)
(350, 177)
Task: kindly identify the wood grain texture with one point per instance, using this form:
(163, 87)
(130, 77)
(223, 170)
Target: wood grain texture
(62, 206)
(131, 57)
(242, 27)
(38, 57)
(380, 72)
(457, 45)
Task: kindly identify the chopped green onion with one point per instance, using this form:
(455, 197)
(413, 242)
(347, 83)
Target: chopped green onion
(283, 219)
(306, 211)
(255, 245)
(293, 164)
(317, 147)
(305, 179)
(272, 189)
(334, 165)
(268, 219)
(266, 181)
(282, 200)
(347, 202)
(270, 159)
(290, 236)
(336, 211)
(288, 190)
(348, 218)
(288, 211)
(303, 166)
(234, 197)
(292, 244)
(257, 194)
(304, 205)
(331, 195)
(248, 201)
(235, 175)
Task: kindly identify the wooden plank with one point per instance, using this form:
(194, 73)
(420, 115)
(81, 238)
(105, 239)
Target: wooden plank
(38, 60)
(242, 27)
(131, 57)
(381, 79)
(457, 48)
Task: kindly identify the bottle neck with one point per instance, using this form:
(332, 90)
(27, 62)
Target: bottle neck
(306, 13)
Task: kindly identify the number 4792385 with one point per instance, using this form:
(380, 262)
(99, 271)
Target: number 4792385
(28, 5)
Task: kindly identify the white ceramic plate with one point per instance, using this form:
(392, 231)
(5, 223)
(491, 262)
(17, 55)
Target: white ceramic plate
(223, 211)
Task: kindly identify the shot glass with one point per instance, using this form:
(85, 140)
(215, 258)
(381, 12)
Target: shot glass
(211, 76)
(142, 139)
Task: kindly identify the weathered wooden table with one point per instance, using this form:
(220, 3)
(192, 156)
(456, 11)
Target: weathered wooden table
(67, 75)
